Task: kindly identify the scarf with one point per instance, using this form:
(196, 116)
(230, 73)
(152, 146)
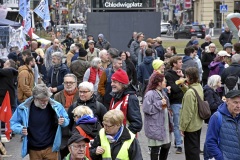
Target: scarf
(86, 119)
(112, 139)
(69, 97)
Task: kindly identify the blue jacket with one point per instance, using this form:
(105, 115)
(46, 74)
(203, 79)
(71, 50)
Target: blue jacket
(145, 69)
(62, 72)
(20, 120)
(223, 139)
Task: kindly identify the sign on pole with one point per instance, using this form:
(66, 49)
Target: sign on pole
(223, 8)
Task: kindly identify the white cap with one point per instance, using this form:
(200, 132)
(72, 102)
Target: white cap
(223, 54)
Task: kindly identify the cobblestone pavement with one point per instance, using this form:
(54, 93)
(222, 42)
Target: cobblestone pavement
(14, 147)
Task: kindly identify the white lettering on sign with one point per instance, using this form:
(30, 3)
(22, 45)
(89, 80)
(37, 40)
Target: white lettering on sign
(122, 5)
(11, 3)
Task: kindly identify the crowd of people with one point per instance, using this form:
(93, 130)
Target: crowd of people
(89, 106)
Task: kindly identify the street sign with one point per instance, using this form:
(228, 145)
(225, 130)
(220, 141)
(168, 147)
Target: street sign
(223, 8)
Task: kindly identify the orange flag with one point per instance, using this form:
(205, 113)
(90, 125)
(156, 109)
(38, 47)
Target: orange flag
(6, 114)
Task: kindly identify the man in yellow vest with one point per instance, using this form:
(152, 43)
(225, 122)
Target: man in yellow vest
(115, 141)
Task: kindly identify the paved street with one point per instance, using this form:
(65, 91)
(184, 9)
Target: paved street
(14, 147)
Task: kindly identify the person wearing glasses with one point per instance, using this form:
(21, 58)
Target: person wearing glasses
(87, 98)
(66, 97)
(56, 73)
(70, 92)
(77, 147)
(39, 120)
(86, 125)
(115, 141)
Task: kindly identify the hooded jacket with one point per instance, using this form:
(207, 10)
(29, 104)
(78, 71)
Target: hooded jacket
(98, 109)
(216, 68)
(20, 119)
(104, 44)
(7, 81)
(79, 68)
(223, 137)
(25, 83)
(63, 70)
(145, 69)
(188, 62)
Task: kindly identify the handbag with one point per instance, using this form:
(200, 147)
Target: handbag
(204, 111)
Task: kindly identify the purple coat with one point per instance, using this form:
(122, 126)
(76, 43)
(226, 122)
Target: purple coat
(154, 117)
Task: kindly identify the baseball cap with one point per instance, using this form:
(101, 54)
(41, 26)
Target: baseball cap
(228, 45)
(232, 94)
(223, 54)
(77, 138)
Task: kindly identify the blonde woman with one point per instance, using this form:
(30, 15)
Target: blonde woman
(86, 124)
(115, 141)
(207, 57)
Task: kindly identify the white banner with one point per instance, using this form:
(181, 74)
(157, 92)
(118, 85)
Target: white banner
(3, 11)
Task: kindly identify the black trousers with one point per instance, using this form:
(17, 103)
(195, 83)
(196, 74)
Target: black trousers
(192, 145)
(163, 152)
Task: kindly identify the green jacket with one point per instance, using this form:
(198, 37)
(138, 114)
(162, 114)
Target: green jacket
(69, 157)
(189, 118)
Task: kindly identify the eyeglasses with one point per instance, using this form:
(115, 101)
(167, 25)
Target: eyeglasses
(106, 126)
(84, 92)
(79, 146)
(69, 83)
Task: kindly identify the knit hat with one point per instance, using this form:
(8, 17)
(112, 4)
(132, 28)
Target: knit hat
(157, 63)
(120, 76)
(82, 52)
(228, 45)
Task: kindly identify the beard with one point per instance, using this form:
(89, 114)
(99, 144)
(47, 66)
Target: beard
(39, 105)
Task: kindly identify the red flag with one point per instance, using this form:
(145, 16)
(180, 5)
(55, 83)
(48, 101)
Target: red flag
(6, 114)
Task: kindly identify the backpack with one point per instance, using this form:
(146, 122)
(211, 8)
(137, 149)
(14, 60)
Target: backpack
(232, 82)
(204, 111)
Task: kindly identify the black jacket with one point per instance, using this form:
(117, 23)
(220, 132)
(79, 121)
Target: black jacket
(176, 95)
(133, 111)
(92, 104)
(207, 58)
(205, 44)
(134, 151)
(90, 129)
(212, 97)
(8, 83)
(233, 69)
(225, 37)
(131, 71)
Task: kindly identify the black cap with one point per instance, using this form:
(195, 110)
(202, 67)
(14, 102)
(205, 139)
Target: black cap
(232, 94)
(77, 138)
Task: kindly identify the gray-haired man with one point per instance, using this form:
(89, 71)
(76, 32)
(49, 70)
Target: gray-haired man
(56, 73)
(39, 119)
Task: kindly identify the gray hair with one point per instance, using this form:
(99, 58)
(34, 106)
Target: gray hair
(71, 75)
(102, 52)
(57, 54)
(236, 58)
(95, 62)
(143, 43)
(41, 91)
(86, 85)
(72, 46)
(213, 81)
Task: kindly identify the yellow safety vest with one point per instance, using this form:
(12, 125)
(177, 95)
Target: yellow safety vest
(122, 154)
